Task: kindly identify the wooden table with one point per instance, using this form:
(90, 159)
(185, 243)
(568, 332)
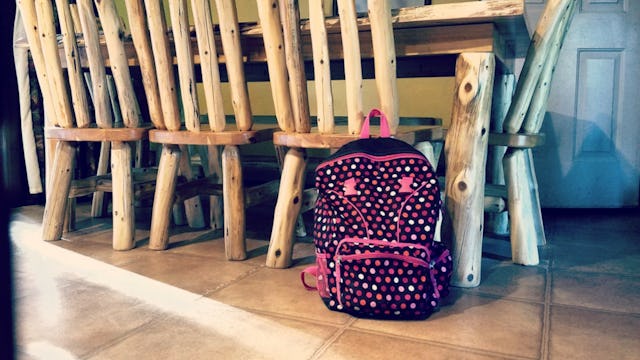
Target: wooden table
(476, 42)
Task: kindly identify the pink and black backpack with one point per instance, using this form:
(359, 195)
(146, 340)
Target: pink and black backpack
(374, 223)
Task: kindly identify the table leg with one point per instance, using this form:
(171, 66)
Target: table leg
(466, 155)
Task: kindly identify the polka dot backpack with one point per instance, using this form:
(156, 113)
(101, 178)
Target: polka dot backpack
(374, 223)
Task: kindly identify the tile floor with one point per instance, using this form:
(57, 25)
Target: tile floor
(78, 299)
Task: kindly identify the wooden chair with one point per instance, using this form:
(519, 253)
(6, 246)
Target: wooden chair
(175, 137)
(516, 127)
(68, 117)
(280, 23)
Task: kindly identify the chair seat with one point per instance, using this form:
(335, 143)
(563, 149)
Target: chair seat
(411, 134)
(95, 134)
(259, 133)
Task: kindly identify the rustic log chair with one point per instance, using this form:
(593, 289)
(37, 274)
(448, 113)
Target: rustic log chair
(69, 120)
(288, 83)
(518, 131)
(175, 138)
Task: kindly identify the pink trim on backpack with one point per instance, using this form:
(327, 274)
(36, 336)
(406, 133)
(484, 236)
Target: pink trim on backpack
(370, 157)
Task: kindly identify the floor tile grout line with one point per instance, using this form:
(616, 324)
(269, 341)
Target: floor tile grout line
(336, 335)
(237, 279)
(438, 343)
(125, 336)
(488, 295)
(545, 338)
(280, 315)
(598, 310)
(570, 270)
(518, 299)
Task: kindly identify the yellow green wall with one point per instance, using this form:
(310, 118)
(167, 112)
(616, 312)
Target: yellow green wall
(418, 97)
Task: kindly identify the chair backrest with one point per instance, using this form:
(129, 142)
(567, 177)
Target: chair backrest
(281, 31)
(68, 109)
(528, 107)
(208, 55)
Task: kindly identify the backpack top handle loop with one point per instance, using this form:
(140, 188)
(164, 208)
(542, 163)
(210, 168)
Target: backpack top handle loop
(385, 132)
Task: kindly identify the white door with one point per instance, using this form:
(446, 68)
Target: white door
(592, 154)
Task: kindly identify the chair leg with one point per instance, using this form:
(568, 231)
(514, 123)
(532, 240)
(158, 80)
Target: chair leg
(233, 199)
(58, 191)
(214, 168)
(503, 87)
(496, 223)
(280, 252)
(193, 206)
(164, 197)
(300, 230)
(535, 200)
(97, 205)
(522, 217)
(70, 216)
(124, 220)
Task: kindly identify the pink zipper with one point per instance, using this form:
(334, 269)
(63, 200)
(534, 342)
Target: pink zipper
(371, 157)
(397, 244)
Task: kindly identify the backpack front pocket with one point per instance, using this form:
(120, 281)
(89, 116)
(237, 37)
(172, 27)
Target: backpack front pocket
(384, 279)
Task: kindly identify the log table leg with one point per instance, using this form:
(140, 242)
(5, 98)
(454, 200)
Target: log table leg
(287, 209)
(124, 224)
(466, 152)
(164, 197)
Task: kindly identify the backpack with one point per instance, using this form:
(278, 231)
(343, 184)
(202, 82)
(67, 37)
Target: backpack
(374, 222)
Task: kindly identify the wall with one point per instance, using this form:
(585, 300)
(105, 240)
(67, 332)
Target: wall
(434, 94)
